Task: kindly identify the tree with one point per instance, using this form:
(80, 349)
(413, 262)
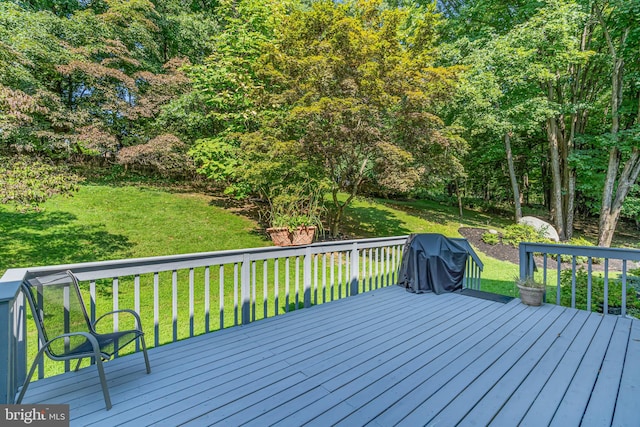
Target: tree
(619, 23)
(363, 90)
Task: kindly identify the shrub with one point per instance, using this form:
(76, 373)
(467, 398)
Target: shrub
(164, 154)
(27, 182)
(579, 241)
(490, 238)
(597, 292)
(516, 233)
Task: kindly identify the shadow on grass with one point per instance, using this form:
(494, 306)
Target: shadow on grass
(372, 222)
(502, 287)
(49, 238)
(441, 213)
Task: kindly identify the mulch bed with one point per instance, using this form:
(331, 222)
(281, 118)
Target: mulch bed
(511, 253)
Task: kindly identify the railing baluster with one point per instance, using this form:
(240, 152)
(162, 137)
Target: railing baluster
(315, 279)
(174, 303)
(116, 298)
(276, 283)
(573, 282)
(265, 289)
(191, 303)
(40, 299)
(156, 310)
(558, 283)
(605, 304)
(207, 299)
(221, 295)
(253, 291)
(136, 300)
(589, 284)
(65, 320)
(544, 275)
(339, 275)
(377, 269)
(297, 283)
(235, 295)
(286, 285)
(92, 302)
(624, 288)
(324, 278)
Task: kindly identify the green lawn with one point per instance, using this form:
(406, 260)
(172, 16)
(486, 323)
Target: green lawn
(114, 222)
(101, 223)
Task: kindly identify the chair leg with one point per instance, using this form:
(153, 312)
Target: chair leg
(27, 380)
(144, 352)
(78, 365)
(103, 382)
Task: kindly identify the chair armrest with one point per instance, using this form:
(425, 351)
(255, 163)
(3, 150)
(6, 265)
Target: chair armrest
(86, 335)
(132, 312)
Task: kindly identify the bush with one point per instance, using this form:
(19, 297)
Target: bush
(579, 241)
(516, 233)
(164, 154)
(27, 182)
(490, 238)
(597, 292)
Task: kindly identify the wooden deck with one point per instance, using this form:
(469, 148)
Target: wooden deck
(383, 358)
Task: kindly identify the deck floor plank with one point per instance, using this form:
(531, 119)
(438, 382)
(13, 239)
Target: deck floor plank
(500, 356)
(554, 364)
(570, 406)
(384, 357)
(506, 379)
(602, 402)
(626, 412)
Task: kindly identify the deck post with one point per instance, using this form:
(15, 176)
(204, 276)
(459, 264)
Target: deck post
(306, 277)
(245, 289)
(13, 357)
(524, 261)
(355, 270)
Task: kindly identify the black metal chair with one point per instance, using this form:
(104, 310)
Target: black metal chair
(65, 331)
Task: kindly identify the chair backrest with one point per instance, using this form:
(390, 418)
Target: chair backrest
(57, 307)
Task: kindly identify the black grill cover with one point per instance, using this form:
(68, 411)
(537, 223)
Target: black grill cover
(432, 262)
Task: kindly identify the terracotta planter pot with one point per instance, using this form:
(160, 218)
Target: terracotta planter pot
(531, 296)
(281, 236)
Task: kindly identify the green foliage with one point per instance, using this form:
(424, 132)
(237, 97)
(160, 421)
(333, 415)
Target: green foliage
(296, 207)
(27, 183)
(516, 233)
(529, 282)
(490, 238)
(597, 289)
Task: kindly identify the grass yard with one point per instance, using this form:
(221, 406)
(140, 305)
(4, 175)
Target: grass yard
(104, 222)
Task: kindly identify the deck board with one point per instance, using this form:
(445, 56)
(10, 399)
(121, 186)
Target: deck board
(386, 357)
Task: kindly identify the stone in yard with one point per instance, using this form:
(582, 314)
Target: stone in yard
(540, 225)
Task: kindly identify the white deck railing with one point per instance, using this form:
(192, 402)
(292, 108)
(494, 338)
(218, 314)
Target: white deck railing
(186, 295)
(602, 275)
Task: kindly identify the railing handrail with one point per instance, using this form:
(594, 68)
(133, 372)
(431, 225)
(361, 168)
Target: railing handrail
(132, 266)
(588, 251)
(464, 242)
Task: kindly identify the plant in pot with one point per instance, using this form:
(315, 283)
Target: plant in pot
(294, 218)
(531, 291)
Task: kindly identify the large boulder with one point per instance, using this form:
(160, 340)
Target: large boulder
(542, 226)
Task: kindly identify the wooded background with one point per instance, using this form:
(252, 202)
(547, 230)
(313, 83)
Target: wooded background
(484, 102)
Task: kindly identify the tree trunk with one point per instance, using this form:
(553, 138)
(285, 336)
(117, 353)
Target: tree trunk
(512, 177)
(556, 178)
(570, 204)
(610, 209)
(459, 196)
(610, 213)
